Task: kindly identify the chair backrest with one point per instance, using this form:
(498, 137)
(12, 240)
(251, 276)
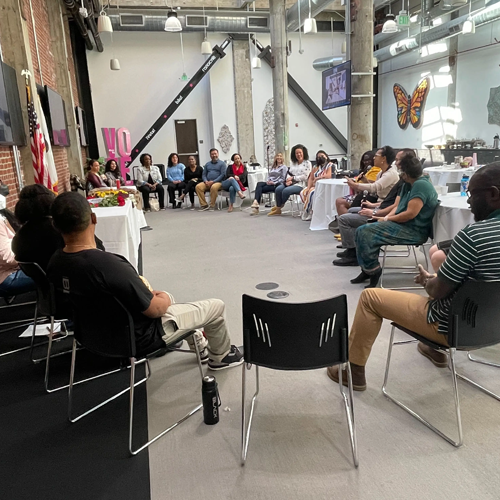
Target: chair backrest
(46, 303)
(161, 167)
(103, 325)
(287, 336)
(474, 319)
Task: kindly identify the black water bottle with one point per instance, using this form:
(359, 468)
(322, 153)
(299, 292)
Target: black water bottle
(211, 400)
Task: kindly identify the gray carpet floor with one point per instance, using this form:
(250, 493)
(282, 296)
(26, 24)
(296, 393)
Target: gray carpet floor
(299, 447)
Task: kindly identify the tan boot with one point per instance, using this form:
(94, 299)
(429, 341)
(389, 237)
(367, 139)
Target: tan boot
(275, 211)
(255, 211)
(357, 372)
(255, 204)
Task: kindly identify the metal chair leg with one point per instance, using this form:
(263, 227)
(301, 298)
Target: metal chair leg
(349, 410)
(245, 430)
(481, 361)
(414, 414)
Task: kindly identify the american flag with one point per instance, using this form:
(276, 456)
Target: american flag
(43, 161)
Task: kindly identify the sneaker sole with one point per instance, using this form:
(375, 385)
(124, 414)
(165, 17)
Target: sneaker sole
(359, 388)
(433, 361)
(232, 365)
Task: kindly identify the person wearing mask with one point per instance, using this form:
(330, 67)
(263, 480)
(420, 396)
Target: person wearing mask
(323, 170)
(13, 281)
(175, 178)
(277, 176)
(112, 173)
(192, 177)
(149, 181)
(474, 255)
(408, 223)
(296, 178)
(236, 178)
(367, 174)
(94, 179)
(214, 172)
(356, 217)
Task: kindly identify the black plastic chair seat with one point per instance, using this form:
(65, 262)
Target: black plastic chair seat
(419, 337)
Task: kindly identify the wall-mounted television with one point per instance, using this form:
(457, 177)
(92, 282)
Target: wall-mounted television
(336, 89)
(58, 125)
(81, 121)
(11, 118)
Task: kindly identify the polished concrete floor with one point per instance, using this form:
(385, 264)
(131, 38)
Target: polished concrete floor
(299, 446)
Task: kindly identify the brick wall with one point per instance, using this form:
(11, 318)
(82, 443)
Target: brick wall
(48, 71)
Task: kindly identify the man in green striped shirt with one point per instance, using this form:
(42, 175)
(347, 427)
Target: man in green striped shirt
(474, 254)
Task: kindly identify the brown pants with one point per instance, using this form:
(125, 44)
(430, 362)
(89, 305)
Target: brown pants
(202, 188)
(375, 304)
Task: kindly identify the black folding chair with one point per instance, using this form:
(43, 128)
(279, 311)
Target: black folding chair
(473, 324)
(110, 333)
(285, 336)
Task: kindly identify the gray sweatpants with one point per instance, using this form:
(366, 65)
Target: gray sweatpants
(348, 223)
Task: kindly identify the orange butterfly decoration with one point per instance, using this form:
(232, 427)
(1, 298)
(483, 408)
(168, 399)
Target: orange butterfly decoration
(411, 108)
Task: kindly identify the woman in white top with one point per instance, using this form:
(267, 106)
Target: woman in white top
(149, 181)
(296, 178)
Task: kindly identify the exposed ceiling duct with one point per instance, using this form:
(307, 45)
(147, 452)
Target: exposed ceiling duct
(446, 30)
(327, 62)
(72, 7)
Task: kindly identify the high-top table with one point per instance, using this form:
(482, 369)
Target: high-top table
(452, 214)
(119, 228)
(440, 176)
(325, 194)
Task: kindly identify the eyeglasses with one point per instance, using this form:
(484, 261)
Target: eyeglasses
(471, 193)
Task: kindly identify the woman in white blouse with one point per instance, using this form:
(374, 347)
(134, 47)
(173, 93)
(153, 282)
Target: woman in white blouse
(149, 181)
(296, 178)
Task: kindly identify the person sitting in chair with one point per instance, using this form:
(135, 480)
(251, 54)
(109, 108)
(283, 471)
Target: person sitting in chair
(149, 181)
(474, 255)
(82, 268)
(214, 172)
(409, 223)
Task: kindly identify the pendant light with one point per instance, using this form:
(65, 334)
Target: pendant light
(114, 64)
(390, 25)
(206, 47)
(469, 26)
(310, 26)
(172, 24)
(104, 23)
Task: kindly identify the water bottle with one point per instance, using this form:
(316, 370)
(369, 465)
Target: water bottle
(211, 400)
(118, 184)
(464, 184)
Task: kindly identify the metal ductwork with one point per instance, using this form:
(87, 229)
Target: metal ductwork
(292, 14)
(447, 30)
(72, 7)
(91, 4)
(327, 62)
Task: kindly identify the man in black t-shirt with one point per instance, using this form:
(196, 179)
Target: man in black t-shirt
(348, 223)
(85, 270)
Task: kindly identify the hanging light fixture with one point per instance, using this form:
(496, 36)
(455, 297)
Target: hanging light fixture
(104, 23)
(206, 47)
(390, 25)
(256, 63)
(114, 64)
(469, 26)
(310, 26)
(172, 24)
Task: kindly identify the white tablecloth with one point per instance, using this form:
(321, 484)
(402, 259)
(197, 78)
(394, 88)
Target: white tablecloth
(325, 194)
(440, 176)
(452, 215)
(254, 176)
(119, 228)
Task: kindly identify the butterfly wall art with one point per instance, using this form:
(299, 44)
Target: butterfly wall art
(411, 107)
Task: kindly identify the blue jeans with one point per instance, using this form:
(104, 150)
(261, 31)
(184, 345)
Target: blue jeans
(263, 187)
(16, 283)
(232, 186)
(283, 192)
(371, 237)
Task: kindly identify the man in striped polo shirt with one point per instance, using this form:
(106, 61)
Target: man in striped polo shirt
(474, 254)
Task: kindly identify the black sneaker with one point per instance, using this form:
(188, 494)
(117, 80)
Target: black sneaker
(234, 358)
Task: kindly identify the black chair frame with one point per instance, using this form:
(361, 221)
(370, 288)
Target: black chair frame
(284, 336)
(474, 316)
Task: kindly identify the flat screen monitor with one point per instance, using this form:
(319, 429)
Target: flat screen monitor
(81, 121)
(59, 135)
(11, 118)
(336, 86)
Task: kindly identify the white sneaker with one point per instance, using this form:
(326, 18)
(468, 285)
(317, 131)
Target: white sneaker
(255, 204)
(307, 216)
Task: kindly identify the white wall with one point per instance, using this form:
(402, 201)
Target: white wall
(477, 71)
(150, 78)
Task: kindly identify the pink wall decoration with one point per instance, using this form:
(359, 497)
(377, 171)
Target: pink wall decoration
(122, 136)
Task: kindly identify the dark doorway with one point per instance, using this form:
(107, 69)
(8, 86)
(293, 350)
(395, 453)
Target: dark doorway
(187, 140)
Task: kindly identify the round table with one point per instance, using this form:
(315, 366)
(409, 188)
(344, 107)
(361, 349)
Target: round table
(325, 194)
(440, 176)
(452, 214)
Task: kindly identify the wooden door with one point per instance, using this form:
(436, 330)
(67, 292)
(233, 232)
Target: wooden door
(187, 140)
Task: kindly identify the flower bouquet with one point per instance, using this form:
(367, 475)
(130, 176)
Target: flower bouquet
(108, 198)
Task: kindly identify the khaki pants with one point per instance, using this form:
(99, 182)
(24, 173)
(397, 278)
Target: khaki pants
(202, 188)
(204, 314)
(375, 304)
